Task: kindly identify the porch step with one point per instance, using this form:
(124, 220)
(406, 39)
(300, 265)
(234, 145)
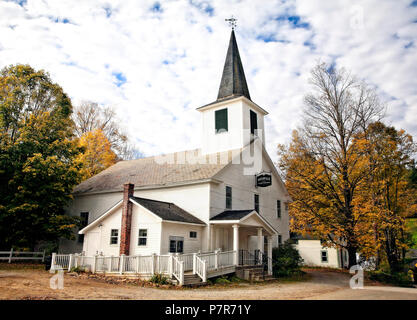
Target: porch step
(192, 279)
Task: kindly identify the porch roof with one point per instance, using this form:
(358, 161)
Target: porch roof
(245, 218)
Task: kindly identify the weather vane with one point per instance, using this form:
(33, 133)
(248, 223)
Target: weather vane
(232, 22)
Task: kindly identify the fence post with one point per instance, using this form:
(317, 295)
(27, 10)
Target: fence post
(122, 263)
(181, 272)
(53, 261)
(216, 259)
(137, 264)
(93, 268)
(76, 260)
(194, 263)
(110, 264)
(170, 264)
(153, 263)
(11, 255)
(204, 271)
(71, 258)
(43, 256)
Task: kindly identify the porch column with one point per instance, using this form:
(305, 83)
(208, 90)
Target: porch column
(236, 243)
(269, 255)
(260, 240)
(212, 238)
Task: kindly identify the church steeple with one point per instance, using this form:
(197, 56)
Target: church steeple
(233, 83)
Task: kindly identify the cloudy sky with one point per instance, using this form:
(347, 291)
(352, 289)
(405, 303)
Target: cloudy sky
(156, 61)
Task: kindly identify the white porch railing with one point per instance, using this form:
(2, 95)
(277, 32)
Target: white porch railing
(171, 265)
(201, 268)
(188, 261)
(178, 270)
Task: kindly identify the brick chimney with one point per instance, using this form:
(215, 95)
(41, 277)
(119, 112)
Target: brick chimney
(126, 219)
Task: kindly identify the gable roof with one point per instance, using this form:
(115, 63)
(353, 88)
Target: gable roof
(167, 211)
(232, 215)
(239, 216)
(152, 171)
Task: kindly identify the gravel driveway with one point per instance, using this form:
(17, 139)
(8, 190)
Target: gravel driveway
(321, 284)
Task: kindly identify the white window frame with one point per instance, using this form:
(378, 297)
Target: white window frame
(142, 237)
(321, 256)
(117, 237)
(193, 238)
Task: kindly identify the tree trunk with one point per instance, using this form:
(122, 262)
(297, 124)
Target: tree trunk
(352, 256)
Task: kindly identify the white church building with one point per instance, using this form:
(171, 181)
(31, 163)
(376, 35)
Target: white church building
(226, 195)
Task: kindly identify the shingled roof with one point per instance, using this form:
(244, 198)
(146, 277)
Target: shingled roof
(167, 211)
(151, 172)
(232, 214)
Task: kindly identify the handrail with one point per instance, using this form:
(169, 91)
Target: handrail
(201, 268)
(178, 270)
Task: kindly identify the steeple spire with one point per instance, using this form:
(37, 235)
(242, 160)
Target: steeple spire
(233, 81)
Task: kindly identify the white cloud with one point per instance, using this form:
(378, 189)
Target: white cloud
(171, 56)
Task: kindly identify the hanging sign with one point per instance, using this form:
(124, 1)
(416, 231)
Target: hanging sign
(263, 180)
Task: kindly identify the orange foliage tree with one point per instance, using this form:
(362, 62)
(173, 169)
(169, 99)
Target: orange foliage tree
(97, 154)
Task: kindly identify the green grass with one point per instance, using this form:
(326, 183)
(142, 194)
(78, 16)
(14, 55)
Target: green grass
(412, 228)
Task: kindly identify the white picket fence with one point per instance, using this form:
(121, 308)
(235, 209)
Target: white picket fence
(170, 265)
(21, 255)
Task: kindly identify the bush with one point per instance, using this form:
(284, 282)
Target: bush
(222, 280)
(159, 279)
(401, 279)
(286, 261)
(77, 269)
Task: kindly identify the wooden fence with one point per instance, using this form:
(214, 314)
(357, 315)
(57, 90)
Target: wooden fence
(21, 255)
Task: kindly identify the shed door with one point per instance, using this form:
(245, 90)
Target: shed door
(93, 243)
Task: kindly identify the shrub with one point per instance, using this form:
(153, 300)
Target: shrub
(286, 261)
(159, 279)
(77, 269)
(401, 279)
(222, 280)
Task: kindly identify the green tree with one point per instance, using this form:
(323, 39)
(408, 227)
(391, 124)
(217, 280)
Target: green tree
(37, 158)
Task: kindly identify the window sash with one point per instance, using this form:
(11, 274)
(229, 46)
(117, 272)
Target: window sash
(324, 257)
(114, 236)
(279, 208)
(253, 122)
(143, 237)
(256, 200)
(228, 197)
(193, 234)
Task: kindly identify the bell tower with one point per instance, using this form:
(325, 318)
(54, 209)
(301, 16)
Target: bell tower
(233, 120)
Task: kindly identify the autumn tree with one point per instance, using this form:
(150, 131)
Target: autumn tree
(322, 166)
(386, 197)
(89, 116)
(37, 158)
(97, 154)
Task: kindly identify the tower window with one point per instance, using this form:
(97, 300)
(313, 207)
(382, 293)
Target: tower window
(253, 122)
(228, 197)
(221, 120)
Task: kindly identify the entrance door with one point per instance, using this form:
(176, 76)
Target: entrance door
(93, 243)
(176, 244)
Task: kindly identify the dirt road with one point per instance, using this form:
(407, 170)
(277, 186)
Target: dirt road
(34, 284)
